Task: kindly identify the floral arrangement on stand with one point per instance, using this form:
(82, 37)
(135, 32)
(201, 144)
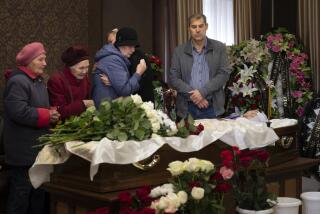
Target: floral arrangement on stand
(255, 68)
(196, 187)
(248, 181)
(249, 64)
(281, 42)
(126, 118)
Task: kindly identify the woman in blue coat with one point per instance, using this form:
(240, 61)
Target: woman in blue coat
(112, 60)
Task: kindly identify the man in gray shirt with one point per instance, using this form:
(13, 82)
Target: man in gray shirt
(199, 72)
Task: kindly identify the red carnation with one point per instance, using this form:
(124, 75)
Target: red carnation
(253, 106)
(226, 155)
(149, 210)
(143, 194)
(217, 176)
(223, 187)
(245, 161)
(125, 198)
(227, 163)
(257, 97)
(236, 150)
(263, 155)
(158, 62)
(241, 102)
(194, 184)
(126, 210)
(152, 58)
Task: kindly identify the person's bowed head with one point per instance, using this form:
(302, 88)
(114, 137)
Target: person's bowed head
(77, 59)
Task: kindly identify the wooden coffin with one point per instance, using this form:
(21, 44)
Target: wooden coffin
(110, 177)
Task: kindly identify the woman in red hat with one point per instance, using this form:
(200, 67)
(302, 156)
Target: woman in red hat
(69, 89)
(27, 116)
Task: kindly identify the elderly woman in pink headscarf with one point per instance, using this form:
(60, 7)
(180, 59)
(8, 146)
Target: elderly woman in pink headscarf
(27, 116)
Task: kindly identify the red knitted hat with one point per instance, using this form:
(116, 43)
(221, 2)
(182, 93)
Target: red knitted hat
(29, 52)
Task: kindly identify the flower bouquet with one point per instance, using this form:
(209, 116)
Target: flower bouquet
(196, 187)
(283, 45)
(248, 182)
(126, 118)
(277, 70)
(249, 64)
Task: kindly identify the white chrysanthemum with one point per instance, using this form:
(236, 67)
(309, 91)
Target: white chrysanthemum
(161, 190)
(170, 126)
(152, 116)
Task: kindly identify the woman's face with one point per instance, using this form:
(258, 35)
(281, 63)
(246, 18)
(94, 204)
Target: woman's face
(80, 70)
(127, 51)
(38, 64)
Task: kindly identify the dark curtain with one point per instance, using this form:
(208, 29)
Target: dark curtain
(165, 31)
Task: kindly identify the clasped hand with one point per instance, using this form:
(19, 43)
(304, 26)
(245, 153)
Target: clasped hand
(197, 99)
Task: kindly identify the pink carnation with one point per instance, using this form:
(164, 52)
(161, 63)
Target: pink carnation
(300, 111)
(297, 94)
(276, 48)
(226, 173)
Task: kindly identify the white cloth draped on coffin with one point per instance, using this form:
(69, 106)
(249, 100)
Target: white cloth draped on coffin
(241, 132)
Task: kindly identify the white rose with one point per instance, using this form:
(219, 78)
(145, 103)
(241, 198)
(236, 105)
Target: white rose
(183, 197)
(176, 168)
(193, 165)
(136, 99)
(173, 200)
(206, 166)
(163, 203)
(197, 193)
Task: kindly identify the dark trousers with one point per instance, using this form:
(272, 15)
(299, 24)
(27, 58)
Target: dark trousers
(204, 113)
(23, 198)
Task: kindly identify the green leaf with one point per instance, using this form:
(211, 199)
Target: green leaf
(140, 133)
(122, 136)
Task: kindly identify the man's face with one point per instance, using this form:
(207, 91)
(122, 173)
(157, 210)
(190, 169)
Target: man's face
(127, 51)
(38, 64)
(198, 29)
(80, 69)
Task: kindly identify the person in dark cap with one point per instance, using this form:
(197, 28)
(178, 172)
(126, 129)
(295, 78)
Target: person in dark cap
(113, 60)
(146, 82)
(69, 89)
(27, 116)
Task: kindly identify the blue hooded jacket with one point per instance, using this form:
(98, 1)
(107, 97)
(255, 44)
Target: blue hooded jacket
(111, 62)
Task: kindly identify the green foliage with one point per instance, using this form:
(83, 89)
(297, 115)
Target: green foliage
(118, 120)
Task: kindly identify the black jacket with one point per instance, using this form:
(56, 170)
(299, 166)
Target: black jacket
(146, 86)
